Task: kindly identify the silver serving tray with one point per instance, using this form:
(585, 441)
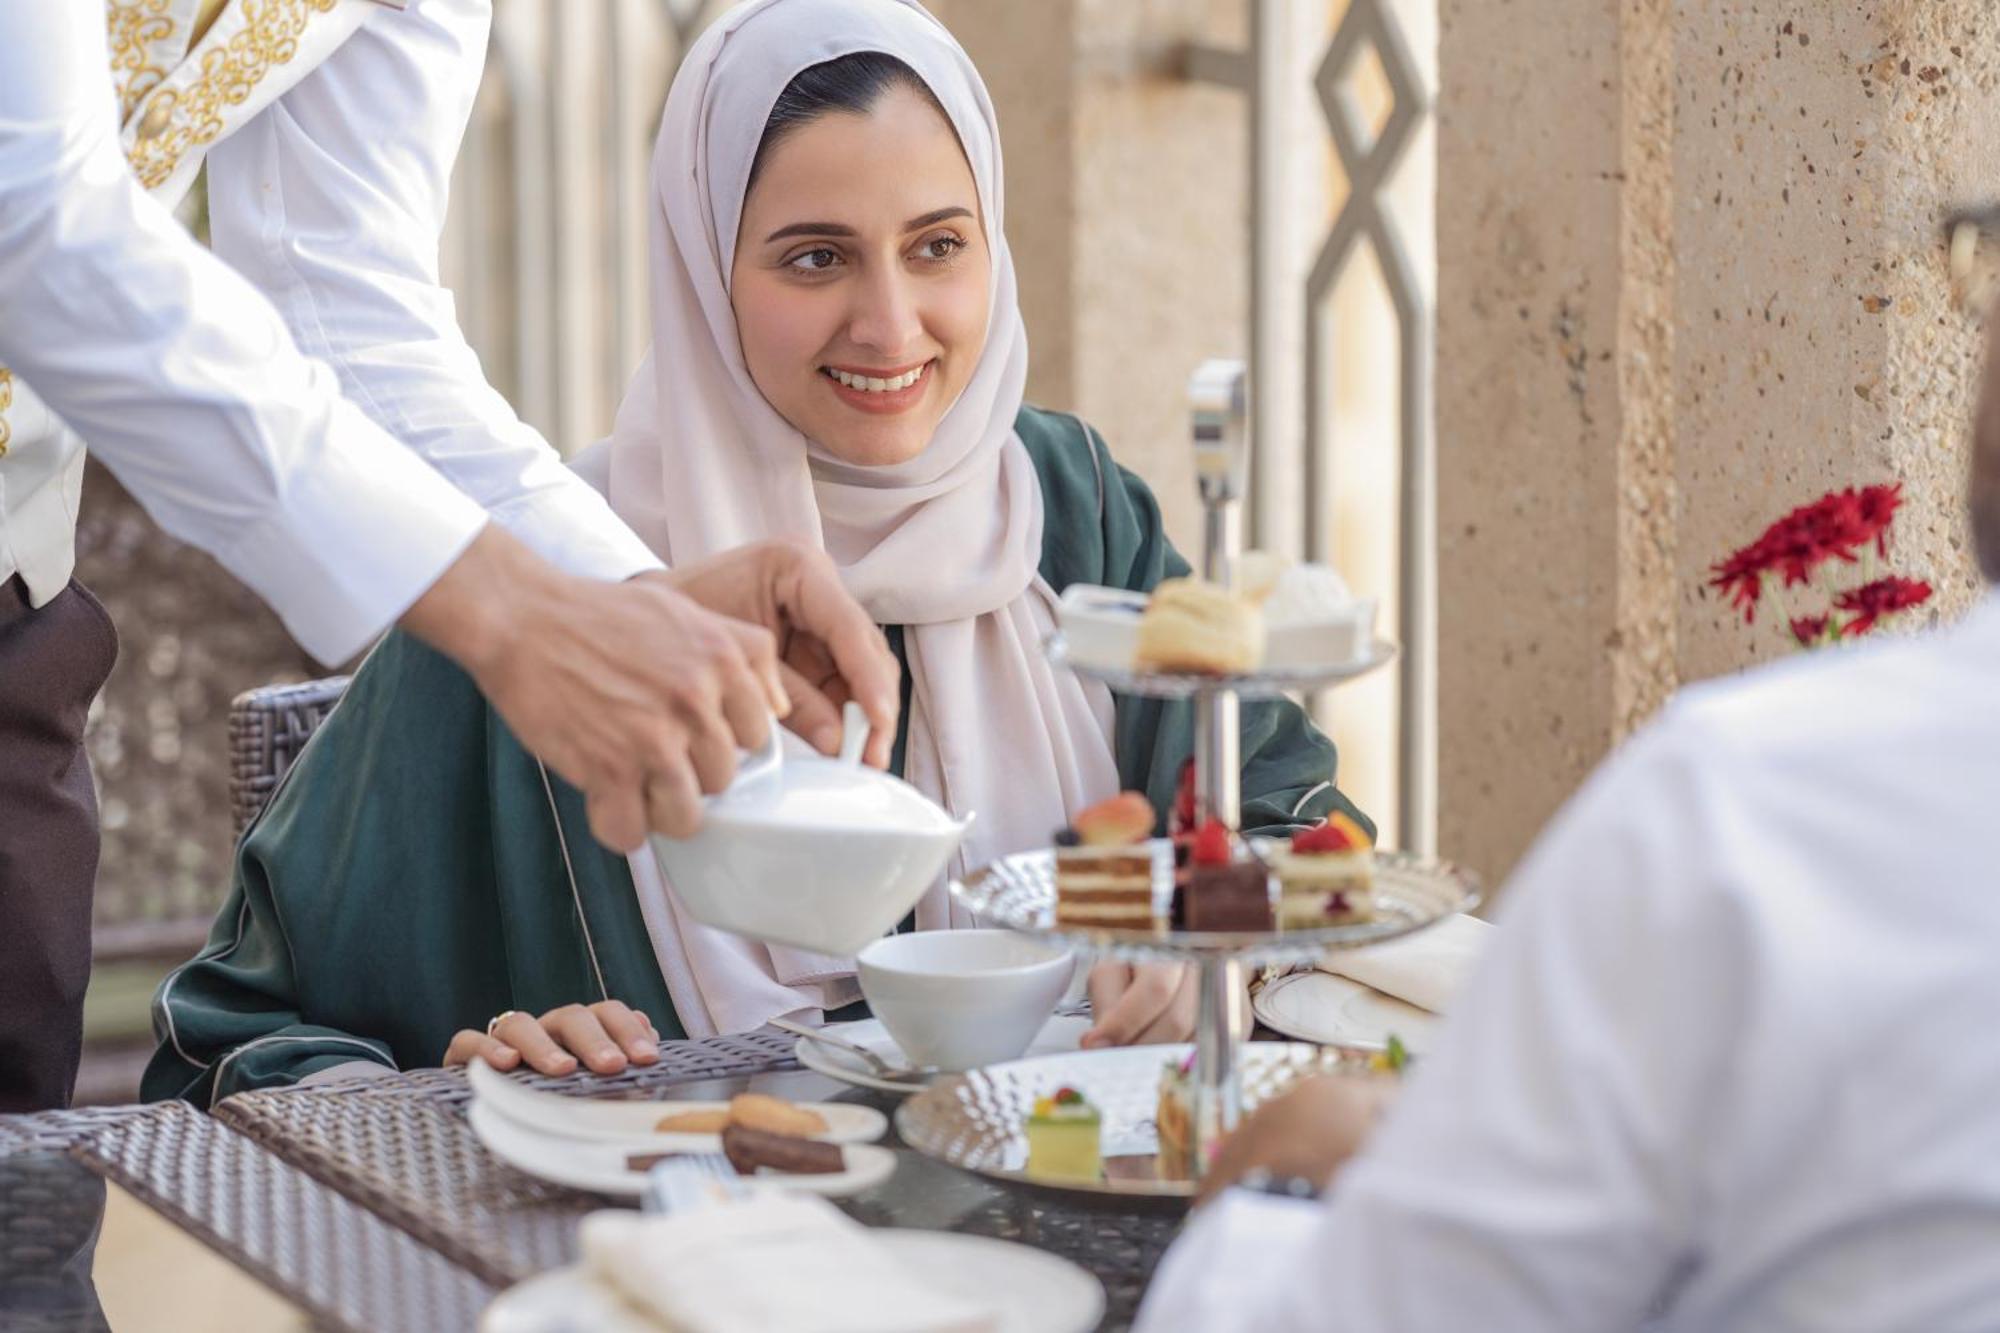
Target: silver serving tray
(1269, 683)
(974, 1120)
(1019, 893)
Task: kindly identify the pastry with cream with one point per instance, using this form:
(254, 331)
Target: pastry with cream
(1191, 625)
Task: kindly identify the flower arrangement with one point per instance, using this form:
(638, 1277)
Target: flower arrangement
(1842, 527)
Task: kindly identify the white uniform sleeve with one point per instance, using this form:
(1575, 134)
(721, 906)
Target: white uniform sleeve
(181, 377)
(1540, 1172)
(333, 201)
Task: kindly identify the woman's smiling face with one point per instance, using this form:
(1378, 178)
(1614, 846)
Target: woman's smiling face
(861, 281)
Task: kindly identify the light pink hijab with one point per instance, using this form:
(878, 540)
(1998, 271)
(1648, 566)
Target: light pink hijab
(946, 544)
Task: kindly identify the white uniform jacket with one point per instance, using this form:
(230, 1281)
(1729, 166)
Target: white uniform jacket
(301, 403)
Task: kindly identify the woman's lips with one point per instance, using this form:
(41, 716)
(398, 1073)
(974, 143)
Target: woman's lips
(881, 402)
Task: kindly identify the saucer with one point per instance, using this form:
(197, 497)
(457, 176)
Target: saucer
(1061, 1033)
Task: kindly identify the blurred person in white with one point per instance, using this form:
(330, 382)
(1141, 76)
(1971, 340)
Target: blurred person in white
(302, 405)
(1730, 1063)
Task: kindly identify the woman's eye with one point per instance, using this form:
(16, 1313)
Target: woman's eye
(938, 249)
(813, 261)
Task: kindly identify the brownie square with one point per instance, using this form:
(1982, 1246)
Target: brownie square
(1232, 897)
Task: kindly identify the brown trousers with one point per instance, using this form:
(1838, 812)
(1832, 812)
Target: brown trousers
(53, 661)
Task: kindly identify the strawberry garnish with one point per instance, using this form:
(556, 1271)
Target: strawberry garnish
(1211, 844)
(1338, 834)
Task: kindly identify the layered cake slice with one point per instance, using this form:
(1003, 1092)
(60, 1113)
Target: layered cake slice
(1326, 877)
(1104, 866)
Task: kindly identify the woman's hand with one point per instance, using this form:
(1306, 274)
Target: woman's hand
(1146, 1004)
(606, 1036)
(1308, 1132)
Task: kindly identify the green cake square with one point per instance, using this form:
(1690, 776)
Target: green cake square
(1065, 1138)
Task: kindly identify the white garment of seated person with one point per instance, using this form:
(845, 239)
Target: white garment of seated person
(1730, 1064)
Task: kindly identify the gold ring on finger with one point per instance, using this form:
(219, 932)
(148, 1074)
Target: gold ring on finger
(498, 1019)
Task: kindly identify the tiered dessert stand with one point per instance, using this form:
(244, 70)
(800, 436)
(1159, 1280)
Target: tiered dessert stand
(1018, 892)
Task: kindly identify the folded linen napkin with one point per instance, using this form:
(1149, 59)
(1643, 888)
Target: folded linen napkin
(772, 1261)
(1425, 969)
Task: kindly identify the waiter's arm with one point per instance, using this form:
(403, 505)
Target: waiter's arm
(180, 375)
(333, 201)
(185, 381)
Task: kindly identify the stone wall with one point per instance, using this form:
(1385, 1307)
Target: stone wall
(1691, 274)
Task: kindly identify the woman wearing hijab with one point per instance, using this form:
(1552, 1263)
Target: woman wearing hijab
(838, 363)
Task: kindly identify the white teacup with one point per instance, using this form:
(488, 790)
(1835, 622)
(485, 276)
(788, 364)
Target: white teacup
(961, 999)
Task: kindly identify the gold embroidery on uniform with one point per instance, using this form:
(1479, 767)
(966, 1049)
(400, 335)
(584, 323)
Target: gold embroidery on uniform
(6, 401)
(229, 74)
(134, 26)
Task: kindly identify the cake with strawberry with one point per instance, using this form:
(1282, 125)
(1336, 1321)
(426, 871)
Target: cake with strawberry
(1326, 876)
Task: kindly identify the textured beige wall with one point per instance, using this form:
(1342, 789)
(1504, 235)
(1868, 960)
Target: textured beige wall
(1530, 155)
(1126, 196)
(1691, 275)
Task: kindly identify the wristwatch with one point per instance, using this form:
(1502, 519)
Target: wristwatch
(1261, 1180)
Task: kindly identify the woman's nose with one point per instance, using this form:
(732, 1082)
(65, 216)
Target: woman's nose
(886, 318)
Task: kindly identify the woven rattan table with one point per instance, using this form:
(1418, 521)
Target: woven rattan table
(371, 1206)
(345, 1267)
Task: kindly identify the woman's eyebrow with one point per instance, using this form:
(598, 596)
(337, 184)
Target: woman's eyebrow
(930, 219)
(809, 229)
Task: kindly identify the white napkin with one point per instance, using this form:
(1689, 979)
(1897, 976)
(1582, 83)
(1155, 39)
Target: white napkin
(773, 1261)
(1425, 969)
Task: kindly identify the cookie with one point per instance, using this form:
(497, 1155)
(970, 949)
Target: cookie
(774, 1115)
(693, 1122)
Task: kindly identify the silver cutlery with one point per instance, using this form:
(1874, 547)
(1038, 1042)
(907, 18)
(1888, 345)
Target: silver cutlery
(877, 1066)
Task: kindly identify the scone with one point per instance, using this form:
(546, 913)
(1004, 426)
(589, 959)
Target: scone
(1191, 625)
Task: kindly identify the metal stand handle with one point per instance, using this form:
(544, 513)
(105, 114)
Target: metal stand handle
(1219, 397)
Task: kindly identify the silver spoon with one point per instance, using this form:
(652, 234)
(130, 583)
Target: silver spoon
(877, 1066)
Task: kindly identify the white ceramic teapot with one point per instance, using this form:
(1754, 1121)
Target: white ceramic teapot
(820, 854)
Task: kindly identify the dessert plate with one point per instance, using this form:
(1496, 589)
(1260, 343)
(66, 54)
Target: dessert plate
(600, 1166)
(1320, 1007)
(1061, 1033)
(630, 1123)
(1031, 1291)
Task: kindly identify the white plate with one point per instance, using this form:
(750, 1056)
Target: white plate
(600, 1166)
(630, 1123)
(1033, 1292)
(1058, 1034)
(1318, 1006)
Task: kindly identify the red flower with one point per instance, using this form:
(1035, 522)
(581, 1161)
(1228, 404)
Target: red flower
(1741, 577)
(1809, 630)
(1878, 510)
(1833, 527)
(1885, 596)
